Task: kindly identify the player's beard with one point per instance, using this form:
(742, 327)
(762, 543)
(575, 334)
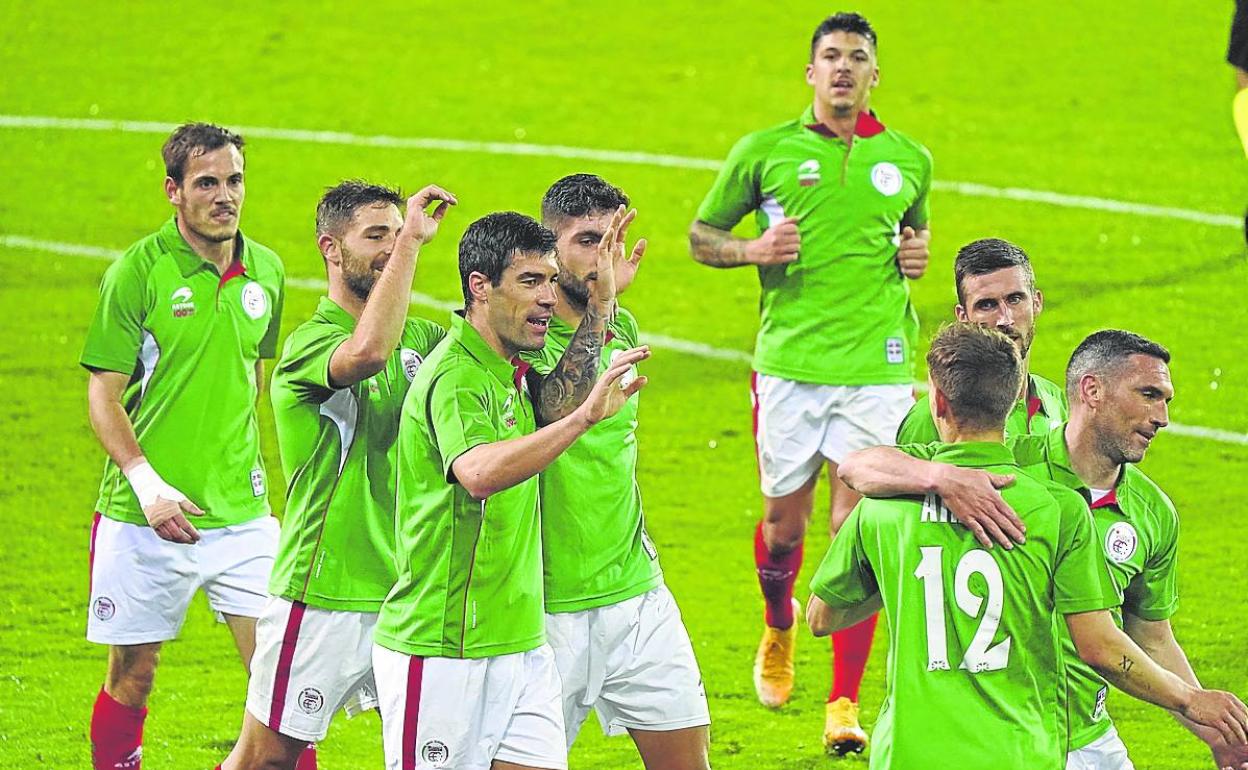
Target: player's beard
(1114, 448)
(360, 279)
(576, 290)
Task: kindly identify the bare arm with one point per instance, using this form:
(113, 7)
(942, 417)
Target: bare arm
(824, 619)
(381, 324)
(489, 468)
(1113, 654)
(777, 245)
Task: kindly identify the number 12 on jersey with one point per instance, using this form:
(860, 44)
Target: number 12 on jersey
(981, 655)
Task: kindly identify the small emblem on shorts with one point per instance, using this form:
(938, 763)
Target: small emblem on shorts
(435, 753)
(310, 700)
(887, 178)
(257, 482)
(254, 301)
(104, 608)
(411, 362)
(808, 173)
(1120, 542)
(183, 305)
(894, 350)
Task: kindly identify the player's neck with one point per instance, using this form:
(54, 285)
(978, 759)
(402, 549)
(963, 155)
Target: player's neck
(346, 299)
(219, 253)
(1024, 391)
(954, 434)
(1091, 466)
(477, 319)
(840, 123)
(567, 310)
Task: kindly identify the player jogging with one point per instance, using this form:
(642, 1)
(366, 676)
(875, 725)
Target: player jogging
(975, 656)
(465, 678)
(841, 204)
(619, 643)
(337, 391)
(175, 352)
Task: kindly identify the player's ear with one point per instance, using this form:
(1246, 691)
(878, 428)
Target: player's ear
(1038, 302)
(1090, 390)
(959, 312)
(810, 74)
(478, 286)
(328, 245)
(172, 192)
(940, 404)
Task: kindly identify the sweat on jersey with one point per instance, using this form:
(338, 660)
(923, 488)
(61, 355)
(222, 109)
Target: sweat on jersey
(840, 314)
(975, 667)
(338, 451)
(189, 338)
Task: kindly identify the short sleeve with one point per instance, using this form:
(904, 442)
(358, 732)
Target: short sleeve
(116, 330)
(918, 215)
(918, 426)
(268, 343)
(921, 451)
(845, 577)
(737, 189)
(1154, 593)
(460, 413)
(1081, 579)
(304, 366)
(625, 327)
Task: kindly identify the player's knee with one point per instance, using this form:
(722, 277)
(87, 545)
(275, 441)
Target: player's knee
(133, 668)
(784, 537)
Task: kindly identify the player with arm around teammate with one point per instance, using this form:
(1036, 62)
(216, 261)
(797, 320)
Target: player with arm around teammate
(619, 643)
(336, 393)
(840, 201)
(975, 660)
(175, 351)
(465, 677)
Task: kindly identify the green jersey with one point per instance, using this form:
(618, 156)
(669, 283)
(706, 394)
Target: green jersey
(975, 671)
(338, 451)
(1044, 408)
(840, 314)
(1137, 530)
(594, 544)
(189, 339)
(470, 571)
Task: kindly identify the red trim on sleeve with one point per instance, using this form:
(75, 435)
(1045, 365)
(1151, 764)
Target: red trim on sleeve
(286, 656)
(411, 713)
(1109, 499)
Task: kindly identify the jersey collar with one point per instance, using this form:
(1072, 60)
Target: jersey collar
(471, 340)
(188, 261)
(867, 125)
(334, 313)
(1058, 456)
(974, 454)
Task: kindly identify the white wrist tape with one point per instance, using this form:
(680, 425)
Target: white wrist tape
(148, 485)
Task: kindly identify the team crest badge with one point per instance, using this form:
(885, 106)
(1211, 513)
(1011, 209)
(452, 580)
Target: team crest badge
(435, 753)
(411, 362)
(104, 608)
(1121, 542)
(887, 178)
(808, 173)
(310, 700)
(254, 301)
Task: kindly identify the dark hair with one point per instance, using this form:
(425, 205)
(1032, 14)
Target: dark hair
(988, 255)
(844, 22)
(490, 243)
(579, 195)
(339, 203)
(979, 371)
(193, 139)
(1104, 351)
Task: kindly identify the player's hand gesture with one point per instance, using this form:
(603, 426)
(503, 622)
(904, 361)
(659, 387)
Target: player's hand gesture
(778, 245)
(420, 225)
(610, 257)
(615, 386)
(1223, 712)
(912, 253)
(626, 269)
(973, 498)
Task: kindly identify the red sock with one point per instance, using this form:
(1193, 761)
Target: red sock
(776, 575)
(116, 734)
(307, 760)
(850, 649)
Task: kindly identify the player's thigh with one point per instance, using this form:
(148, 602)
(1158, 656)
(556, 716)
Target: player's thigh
(140, 585)
(1105, 753)
(865, 416)
(535, 735)
(842, 499)
(568, 634)
(309, 662)
(653, 680)
(790, 419)
(684, 749)
(235, 564)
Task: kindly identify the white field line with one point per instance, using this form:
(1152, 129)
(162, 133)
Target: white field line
(660, 341)
(605, 156)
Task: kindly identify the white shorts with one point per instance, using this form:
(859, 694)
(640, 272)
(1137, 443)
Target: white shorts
(465, 713)
(631, 662)
(309, 663)
(141, 585)
(799, 425)
(1105, 753)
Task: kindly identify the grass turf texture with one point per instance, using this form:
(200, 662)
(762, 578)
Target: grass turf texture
(1123, 100)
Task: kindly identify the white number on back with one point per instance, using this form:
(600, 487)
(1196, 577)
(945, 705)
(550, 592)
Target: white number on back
(981, 655)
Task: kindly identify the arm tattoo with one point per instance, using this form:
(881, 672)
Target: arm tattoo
(1126, 664)
(715, 247)
(559, 393)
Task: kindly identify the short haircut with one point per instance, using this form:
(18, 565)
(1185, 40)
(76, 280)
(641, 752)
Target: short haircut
(580, 195)
(979, 371)
(191, 140)
(844, 22)
(1102, 353)
(490, 243)
(988, 255)
(339, 204)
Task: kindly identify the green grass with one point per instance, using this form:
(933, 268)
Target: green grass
(1120, 100)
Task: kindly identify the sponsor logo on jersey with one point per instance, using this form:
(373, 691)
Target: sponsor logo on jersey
(894, 350)
(257, 482)
(1121, 542)
(310, 700)
(104, 608)
(887, 178)
(435, 753)
(411, 362)
(509, 413)
(254, 301)
(808, 173)
(183, 305)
